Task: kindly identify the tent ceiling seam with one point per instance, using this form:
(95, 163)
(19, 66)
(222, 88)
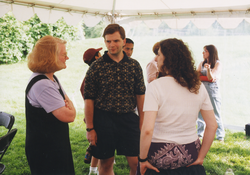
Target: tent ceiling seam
(113, 12)
(112, 16)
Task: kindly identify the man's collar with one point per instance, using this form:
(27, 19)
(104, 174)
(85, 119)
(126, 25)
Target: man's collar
(109, 60)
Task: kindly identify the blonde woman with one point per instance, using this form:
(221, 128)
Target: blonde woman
(48, 110)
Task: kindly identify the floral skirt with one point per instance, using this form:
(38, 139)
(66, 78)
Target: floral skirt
(173, 158)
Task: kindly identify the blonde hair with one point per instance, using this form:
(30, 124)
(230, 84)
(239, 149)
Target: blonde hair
(44, 56)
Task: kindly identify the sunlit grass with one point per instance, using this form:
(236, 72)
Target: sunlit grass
(234, 153)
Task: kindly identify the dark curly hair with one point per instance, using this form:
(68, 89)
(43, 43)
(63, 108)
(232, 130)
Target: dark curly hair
(179, 63)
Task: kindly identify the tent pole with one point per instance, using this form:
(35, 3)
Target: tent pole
(113, 13)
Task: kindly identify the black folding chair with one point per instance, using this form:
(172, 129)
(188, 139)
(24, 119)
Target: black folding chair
(6, 120)
(4, 144)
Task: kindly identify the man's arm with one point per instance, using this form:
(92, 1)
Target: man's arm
(140, 102)
(82, 88)
(89, 113)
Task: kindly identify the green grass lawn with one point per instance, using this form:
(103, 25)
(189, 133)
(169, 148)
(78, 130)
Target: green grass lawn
(234, 153)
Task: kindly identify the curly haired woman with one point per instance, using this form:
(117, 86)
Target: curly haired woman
(169, 143)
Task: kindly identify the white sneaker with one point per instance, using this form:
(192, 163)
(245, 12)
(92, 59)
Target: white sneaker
(93, 173)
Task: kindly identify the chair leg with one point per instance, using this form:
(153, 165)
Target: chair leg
(2, 168)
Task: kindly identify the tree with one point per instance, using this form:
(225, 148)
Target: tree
(17, 38)
(14, 43)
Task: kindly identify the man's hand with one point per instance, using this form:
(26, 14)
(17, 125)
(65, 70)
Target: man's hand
(92, 137)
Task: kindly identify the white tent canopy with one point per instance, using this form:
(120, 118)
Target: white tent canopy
(175, 13)
(233, 45)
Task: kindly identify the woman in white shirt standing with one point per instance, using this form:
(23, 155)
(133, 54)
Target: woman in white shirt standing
(169, 141)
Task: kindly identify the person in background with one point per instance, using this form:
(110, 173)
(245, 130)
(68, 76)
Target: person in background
(111, 96)
(89, 57)
(152, 70)
(210, 72)
(128, 48)
(169, 143)
(48, 110)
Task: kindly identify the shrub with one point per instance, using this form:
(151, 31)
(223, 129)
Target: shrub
(61, 30)
(17, 38)
(14, 43)
(35, 29)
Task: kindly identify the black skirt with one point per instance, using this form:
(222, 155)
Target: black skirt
(192, 170)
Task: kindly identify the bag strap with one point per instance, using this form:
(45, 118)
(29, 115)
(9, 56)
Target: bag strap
(40, 77)
(33, 81)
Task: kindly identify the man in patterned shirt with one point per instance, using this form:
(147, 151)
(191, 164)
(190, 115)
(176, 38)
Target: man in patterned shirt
(114, 86)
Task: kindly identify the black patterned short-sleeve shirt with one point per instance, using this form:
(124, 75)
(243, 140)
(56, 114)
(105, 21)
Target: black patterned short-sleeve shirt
(113, 86)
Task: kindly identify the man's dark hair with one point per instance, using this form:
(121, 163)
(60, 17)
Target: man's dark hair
(112, 28)
(128, 40)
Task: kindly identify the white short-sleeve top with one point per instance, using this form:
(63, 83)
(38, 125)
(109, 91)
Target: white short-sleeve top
(177, 108)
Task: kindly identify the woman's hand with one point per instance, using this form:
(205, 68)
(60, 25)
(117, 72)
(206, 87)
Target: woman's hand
(66, 113)
(197, 162)
(68, 103)
(146, 165)
(206, 65)
(210, 75)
